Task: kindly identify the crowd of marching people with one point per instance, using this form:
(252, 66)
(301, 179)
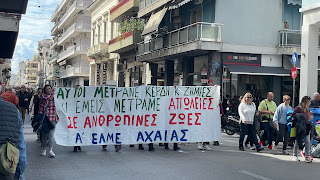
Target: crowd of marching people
(278, 123)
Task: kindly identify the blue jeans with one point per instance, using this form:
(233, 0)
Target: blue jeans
(252, 134)
(268, 133)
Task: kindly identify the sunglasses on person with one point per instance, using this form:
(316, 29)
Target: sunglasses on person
(249, 97)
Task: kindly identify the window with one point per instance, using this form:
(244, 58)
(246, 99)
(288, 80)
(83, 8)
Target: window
(99, 33)
(196, 15)
(93, 36)
(105, 31)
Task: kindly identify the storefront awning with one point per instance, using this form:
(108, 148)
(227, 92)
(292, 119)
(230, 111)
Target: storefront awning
(178, 3)
(295, 2)
(257, 70)
(154, 22)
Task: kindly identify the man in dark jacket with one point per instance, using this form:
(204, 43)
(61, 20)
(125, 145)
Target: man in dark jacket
(23, 101)
(315, 103)
(11, 131)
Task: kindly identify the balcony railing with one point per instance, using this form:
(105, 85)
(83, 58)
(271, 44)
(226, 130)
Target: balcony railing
(77, 27)
(79, 71)
(124, 42)
(72, 51)
(58, 8)
(147, 6)
(74, 9)
(200, 31)
(99, 50)
(124, 7)
(290, 38)
(55, 27)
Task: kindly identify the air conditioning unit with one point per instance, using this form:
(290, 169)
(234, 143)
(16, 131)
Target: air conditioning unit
(120, 67)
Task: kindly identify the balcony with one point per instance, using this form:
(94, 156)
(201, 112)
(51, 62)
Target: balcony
(290, 42)
(124, 42)
(71, 52)
(75, 72)
(146, 7)
(54, 30)
(53, 59)
(74, 31)
(125, 8)
(74, 9)
(98, 51)
(194, 38)
(59, 7)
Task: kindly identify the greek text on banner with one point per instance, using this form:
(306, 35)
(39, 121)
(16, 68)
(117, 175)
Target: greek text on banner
(137, 115)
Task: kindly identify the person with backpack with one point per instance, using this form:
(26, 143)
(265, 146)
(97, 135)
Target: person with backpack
(267, 107)
(11, 137)
(47, 107)
(300, 118)
(280, 123)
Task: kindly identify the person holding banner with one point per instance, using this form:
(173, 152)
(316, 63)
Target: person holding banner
(47, 100)
(247, 110)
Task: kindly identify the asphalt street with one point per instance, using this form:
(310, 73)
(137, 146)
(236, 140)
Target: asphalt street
(222, 162)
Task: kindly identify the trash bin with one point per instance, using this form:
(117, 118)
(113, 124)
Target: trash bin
(316, 120)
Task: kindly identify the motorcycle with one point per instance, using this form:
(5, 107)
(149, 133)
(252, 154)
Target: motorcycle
(232, 124)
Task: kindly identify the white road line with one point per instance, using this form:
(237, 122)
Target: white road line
(254, 175)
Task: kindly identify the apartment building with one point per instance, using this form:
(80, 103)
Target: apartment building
(42, 57)
(32, 73)
(103, 64)
(71, 42)
(241, 45)
(21, 76)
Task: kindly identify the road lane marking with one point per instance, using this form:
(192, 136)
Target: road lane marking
(254, 175)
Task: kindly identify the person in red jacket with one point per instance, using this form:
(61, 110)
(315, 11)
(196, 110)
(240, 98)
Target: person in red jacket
(9, 96)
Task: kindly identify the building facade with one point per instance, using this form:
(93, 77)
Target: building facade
(243, 46)
(42, 57)
(21, 76)
(103, 64)
(71, 42)
(32, 69)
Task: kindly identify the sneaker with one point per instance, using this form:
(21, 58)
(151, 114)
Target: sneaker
(303, 154)
(308, 160)
(216, 143)
(252, 148)
(117, 148)
(285, 152)
(44, 152)
(52, 154)
(247, 146)
(270, 147)
(241, 149)
(295, 158)
(261, 143)
(311, 158)
(275, 147)
(261, 149)
(200, 146)
(206, 147)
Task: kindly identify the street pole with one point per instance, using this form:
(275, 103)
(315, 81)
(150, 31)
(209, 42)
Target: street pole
(294, 92)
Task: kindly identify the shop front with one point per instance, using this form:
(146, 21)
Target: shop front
(243, 73)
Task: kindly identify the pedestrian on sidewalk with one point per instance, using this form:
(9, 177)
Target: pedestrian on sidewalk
(247, 110)
(11, 130)
(47, 99)
(267, 107)
(280, 123)
(315, 103)
(23, 96)
(9, 96)
(34, 108)
(301, 115)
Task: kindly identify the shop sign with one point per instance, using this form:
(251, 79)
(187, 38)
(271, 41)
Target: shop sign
(241, 59)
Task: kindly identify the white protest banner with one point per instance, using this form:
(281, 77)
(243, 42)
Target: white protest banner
(137, 115)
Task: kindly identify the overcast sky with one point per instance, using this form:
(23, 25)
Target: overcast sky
(35, 25)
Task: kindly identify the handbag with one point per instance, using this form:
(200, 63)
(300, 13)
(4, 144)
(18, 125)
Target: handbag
(9, 158)
(41, 122)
